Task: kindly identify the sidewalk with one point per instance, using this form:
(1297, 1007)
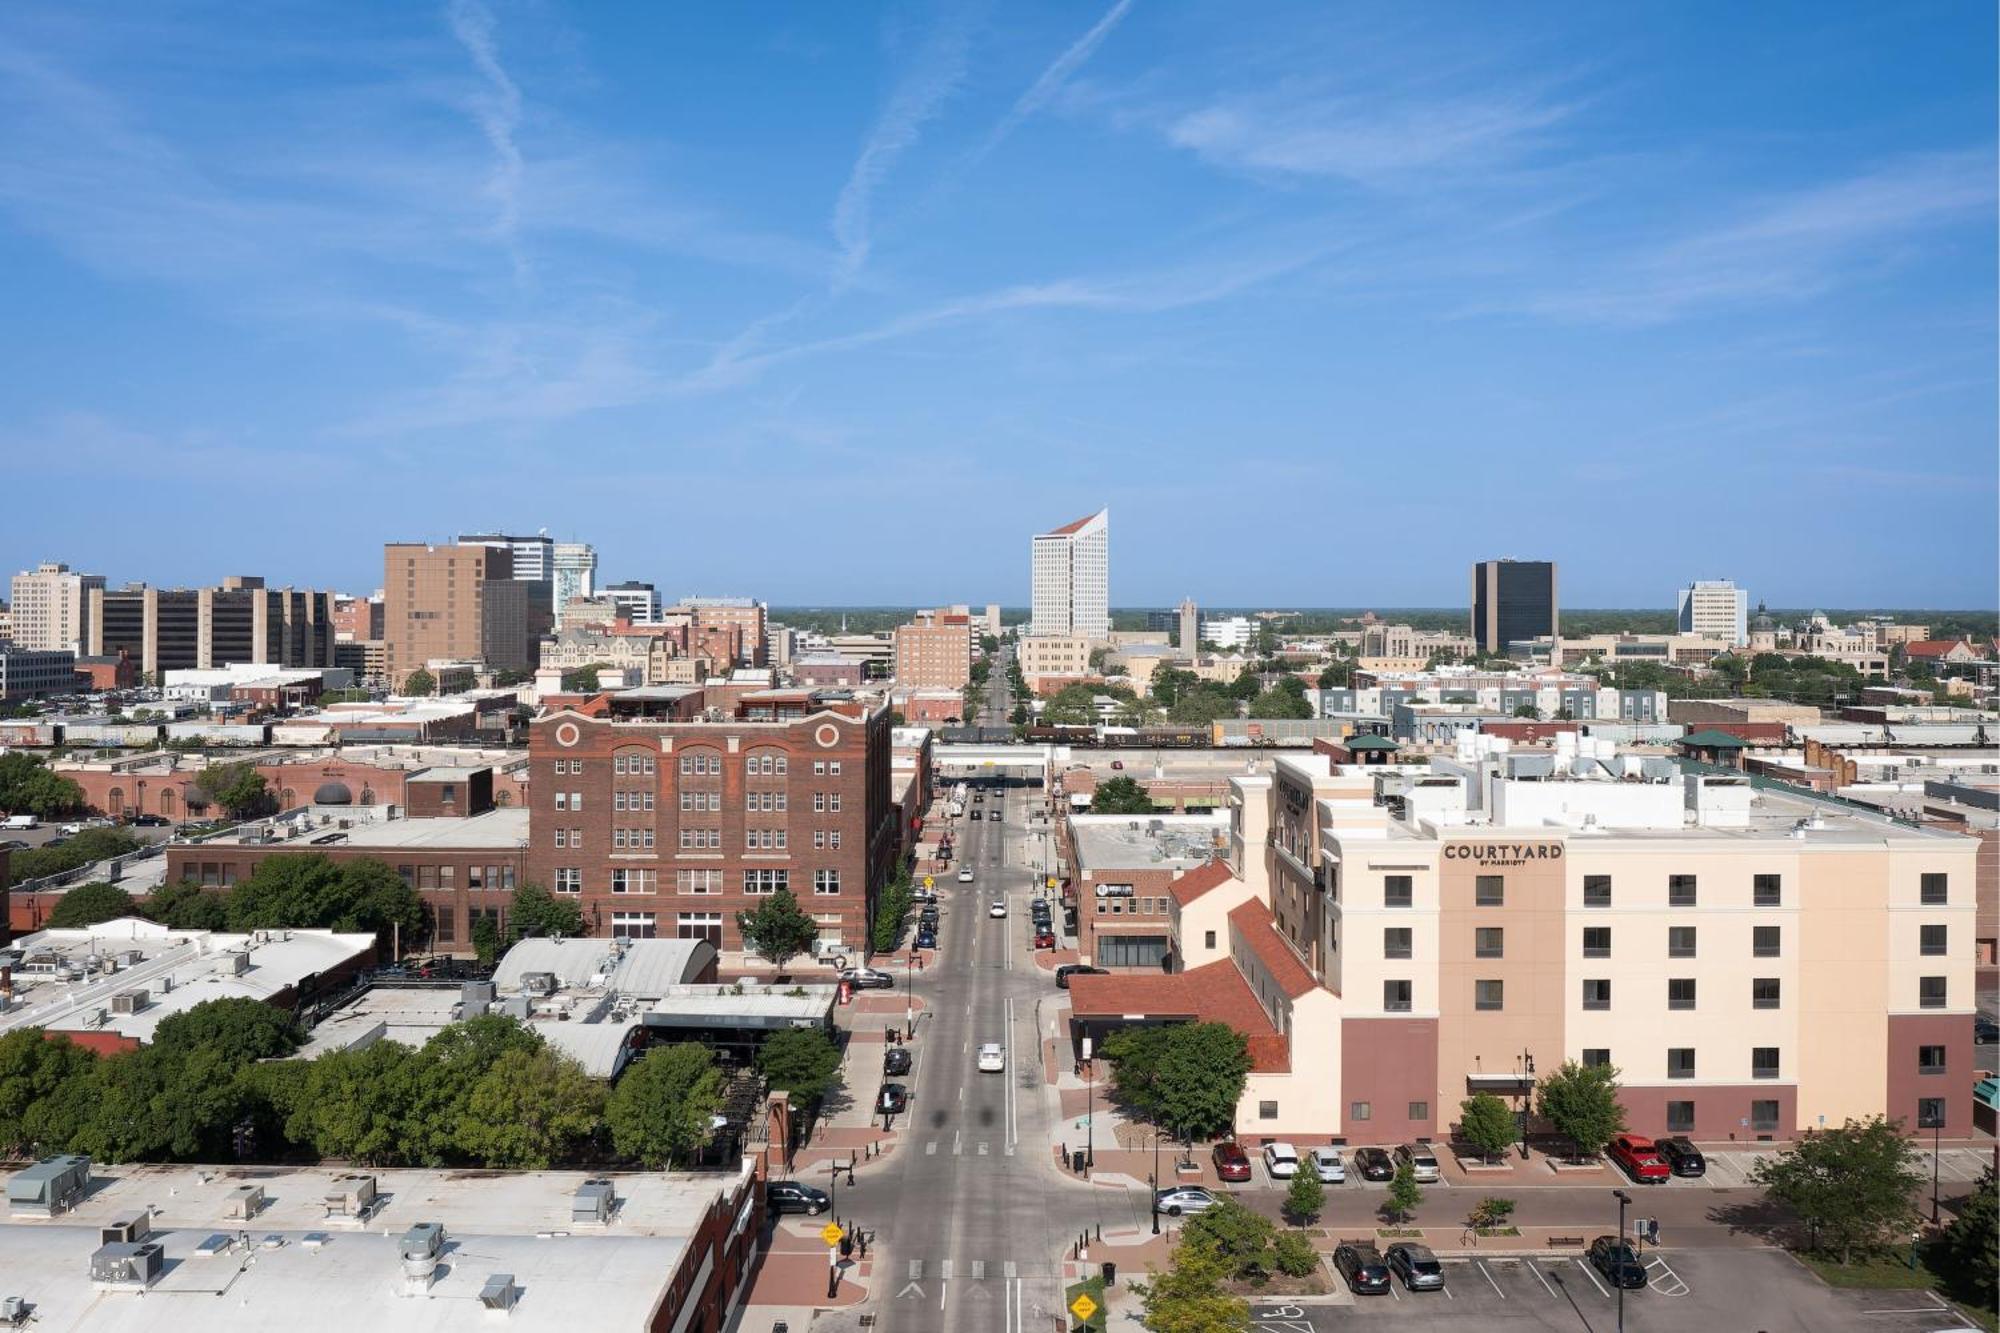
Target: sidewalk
(790, 1281)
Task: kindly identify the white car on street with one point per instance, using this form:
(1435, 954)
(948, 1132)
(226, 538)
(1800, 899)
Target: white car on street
(998, 909)
(1328, 1166)
(965, 874)
(992, 1060)
(1281, 1160)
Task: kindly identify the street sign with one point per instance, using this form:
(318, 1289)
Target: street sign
(831, 1233)
(927, 881)
(1083, 1307)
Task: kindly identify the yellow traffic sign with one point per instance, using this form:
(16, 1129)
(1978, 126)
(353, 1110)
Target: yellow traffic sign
(831, 1233)
(1052, 881)
(1083, 1307)
(927, 881)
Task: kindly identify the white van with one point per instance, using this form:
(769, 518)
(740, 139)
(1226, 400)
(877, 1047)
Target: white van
(21, 821)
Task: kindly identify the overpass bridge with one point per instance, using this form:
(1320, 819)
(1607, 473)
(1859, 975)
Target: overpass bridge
(1031, 763)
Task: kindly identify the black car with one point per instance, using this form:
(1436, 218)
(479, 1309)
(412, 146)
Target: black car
(927, 939)
(789, 1196)
(1681, 1156)
(1068, 970)
(150, 821)
(1363, 1268)
(896, 1060)
(1614, 1258)
(894, 1097)
(1985, 1032)
(1374, 1164)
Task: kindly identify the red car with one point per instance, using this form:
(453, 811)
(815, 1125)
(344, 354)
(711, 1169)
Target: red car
(1231, 1162)
(1045, 939)
(1640, 1159)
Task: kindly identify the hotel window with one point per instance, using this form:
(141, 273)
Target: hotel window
(569, 879)
(757, 882)
(1490, 891)
(1680, 1062)
(1933, 892)
(1680, 941)
(1763, 1062)
(1930, 1059)
(826, 882)
(1680, 890)
(819, 768)
(1597, 941)
(645, 801)
(1597, 993)
(618, 800)
(1680, 992)
(819, 839)
(1680, 1117)
(1208, 939)
(1597, 890)
(1765, 992)
(507, 878)
(1395, 941)
(427, 876)
(1267, 1110)
(1360, 1111)
(1767, 891)
(1593, 1056)
(634, 925)
(1396, 891)
(1764, 1115)
(1930, 1112)
(1932, 941)
(1489, 995)
(1396, 996)
(1420, 1110)
(1489, 942)
(1930, 992)
(1765, 941)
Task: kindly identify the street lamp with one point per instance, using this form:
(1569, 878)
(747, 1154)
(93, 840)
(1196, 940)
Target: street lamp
(1089, 1111)
(909, 1002)
(1156, 1180)
(1623, 1199)
(1937, 1150)
(1527, 1085)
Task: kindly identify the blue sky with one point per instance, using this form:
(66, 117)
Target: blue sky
(838, 303)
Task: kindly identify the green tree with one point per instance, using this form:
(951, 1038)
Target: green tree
(1486, 1124)
(1581, 1103)
(1199, 707)
(419, 683)
(1238, 1237)
(185, 905)
(1188, 1296)
(1491, 1211)
(1337, 676)
(487, 942)
(238, 788)
(355, 1104)
(305, 890)
(801, 1061)
(34, 1067)
(1294, 1254)
(1247, 685)
(1134, 1055)
(85, 848)
(448, 1067)
(1404, 1195)
(1305, 1197)
(1528, 711)
(531, 1111)
(1170, 683)
(582, 680)
(29, 787)
(777, 929)
(89, 904)
(1278, 702)
(537, 913)
(664, 1105)
(240, 1029)
(1968, 1241)
(1853, 1187)
(1201, 1074)
(892, 911)
(1121, 796)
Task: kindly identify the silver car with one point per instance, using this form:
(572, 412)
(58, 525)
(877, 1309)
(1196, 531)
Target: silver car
(1417, 1266)
(1422, 1162)
(1182, 1199)
(1328, 1167)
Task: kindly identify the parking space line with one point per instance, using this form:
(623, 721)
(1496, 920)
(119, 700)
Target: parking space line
(1536, 1269)
(1593, 1278)
(1489, 1279)
(1393, 1293)
(1669, 1283)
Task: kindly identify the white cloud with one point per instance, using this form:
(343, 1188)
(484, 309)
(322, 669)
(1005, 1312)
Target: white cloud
(498, 114)
(1052, 79)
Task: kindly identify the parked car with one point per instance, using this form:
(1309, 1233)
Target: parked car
(1045, 938)
(977, 815)
(1281, 1160)
(923, 895)
(1422, 1162)
(1117, 764)
(1374, 1164)
(1417, 1266)
(70, 830)
(1985, 1032)
(992, 1059)
(1231, 1162)
(893, 1097)
(1362, 1266)
(22, 822)
(965, 874)
(927, 939)
(1682, 1156)
(867, 978)
(151, 821)
(897, 1060)
(1068, 970)
(1179, 1199)
(1614, 1258)
(1640, 1160)
(998, 909)
(790, 1196)
(1328, 1166)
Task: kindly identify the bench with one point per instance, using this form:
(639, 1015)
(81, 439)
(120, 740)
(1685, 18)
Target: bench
(1565, 1242)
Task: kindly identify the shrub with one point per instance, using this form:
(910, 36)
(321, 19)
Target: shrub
(1295, 1254)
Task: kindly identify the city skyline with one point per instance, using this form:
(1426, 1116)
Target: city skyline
(1688, 271)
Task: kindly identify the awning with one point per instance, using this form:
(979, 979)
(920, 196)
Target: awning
(1500, 1083)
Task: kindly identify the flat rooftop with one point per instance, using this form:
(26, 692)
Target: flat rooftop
(1146, 842)
(498, 829)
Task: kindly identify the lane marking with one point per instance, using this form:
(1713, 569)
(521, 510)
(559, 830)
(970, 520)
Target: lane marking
(954, 1142)
(930, 1149)
(1536, 1269)
(1593, 1278)
(978, 1270)
(1489, 1279)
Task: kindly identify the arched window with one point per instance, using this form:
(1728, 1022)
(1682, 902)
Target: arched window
(167, 801)
(503, 797)
(114, 801)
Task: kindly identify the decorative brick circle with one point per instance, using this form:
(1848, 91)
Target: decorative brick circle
(827, 735)
(567, 734)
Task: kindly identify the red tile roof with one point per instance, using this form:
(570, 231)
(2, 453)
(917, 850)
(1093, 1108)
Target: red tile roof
(1254, 922)
(1216, 993)
(1067, 528)
(1922, 648)
(1200, 880)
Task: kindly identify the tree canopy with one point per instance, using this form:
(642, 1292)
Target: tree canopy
(662, 1109)
(537, 913)
(29, 787)
(1188, 1296)
(1121, 796)
(81, 849)
(1968, 1240)
(801, 1061)
(185, 905)
(532, 1110)
(1853, 1187)
(89, 904)
(1279, 702)
(1581, 1103)
(238, 788)
(777, 929)
(1185, 1078)
(419, 683)
(1486, 1124)
(307, 890)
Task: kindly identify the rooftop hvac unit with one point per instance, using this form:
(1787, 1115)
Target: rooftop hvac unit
(129, 1001)
(592, 1202)
(238, 963)
(48, 1187)
(135, 1266)
(476, 996)
(422, 1247)
(352, 1195)
(14, 1310)
(539, 983)
(127, 1230)
(245, 1201)
(499, 1293)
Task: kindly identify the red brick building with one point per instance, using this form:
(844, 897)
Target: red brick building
(664, 827)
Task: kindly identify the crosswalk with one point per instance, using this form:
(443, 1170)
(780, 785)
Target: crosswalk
(979, 1149)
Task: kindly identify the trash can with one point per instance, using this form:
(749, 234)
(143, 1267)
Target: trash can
(1111, 1275)
(1076, 1161)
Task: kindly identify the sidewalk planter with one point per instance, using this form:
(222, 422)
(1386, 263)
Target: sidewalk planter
(1560, 1165)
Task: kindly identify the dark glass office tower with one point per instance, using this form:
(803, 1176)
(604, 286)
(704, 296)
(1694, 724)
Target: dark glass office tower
(1513, 600)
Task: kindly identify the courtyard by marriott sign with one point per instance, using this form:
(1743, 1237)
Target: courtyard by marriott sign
(1503, 853)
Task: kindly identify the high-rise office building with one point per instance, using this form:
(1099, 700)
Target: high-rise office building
(1715, 609)
(934, 651)
(534, 557)
(51, 607)
(1513, 600)
(457, 604)
(637, 602)
(574, 573)
(238, 621)
(1071, 579)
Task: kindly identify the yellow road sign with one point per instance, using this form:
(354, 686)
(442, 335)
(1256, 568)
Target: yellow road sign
(1052, 881)
(1083, 1307)
(927, 882)
(831, 1234)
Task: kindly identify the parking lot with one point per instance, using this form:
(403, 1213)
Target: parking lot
(1756, 1291)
